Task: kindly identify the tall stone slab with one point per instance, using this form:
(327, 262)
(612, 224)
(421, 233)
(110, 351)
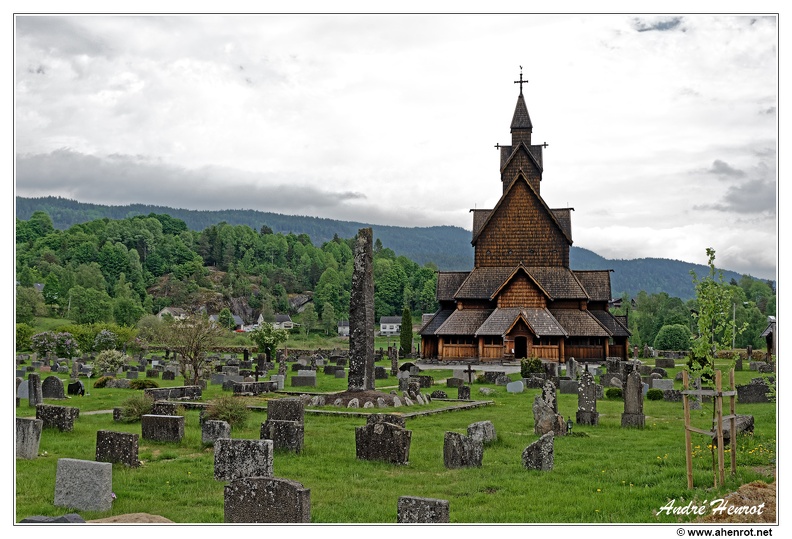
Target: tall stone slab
(633, 415)
(28, 437)
(361, 315)
(35, 394)
(587, 401)
(84, 485)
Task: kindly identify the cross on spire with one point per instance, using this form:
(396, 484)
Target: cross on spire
(521, 81)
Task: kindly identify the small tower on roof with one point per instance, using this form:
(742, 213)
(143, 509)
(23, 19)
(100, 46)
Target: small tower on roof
(521, 126)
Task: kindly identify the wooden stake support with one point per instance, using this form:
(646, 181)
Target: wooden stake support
(716, 435)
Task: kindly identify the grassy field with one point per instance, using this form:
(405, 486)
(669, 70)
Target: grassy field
(602, 474)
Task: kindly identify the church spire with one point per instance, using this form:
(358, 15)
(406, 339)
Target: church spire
(521, 126)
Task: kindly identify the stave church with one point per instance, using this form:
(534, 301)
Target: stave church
(521, 299)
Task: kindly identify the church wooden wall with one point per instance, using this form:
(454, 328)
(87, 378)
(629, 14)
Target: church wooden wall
(521, 292)
(521, 231)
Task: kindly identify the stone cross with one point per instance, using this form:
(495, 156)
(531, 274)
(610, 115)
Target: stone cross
(469, 371)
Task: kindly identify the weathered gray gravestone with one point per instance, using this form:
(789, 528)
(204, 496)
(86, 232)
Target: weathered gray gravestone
(35, 396)
(460, 451)
(57, 417)
(28, 437)
(383, 441)
(52, 388)
(84, 485)
(587, 401)
(415, 510)
(266, 500)
(237, 458)
(484, 431)
(633, 415)
(539, 455)
(162, 428)
(212, 430)
(361, 315)
(119, 447)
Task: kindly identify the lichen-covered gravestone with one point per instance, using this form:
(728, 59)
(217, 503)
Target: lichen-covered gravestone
(539, 455)
(633, 415)
(587, 401)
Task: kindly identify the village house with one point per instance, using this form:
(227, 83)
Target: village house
(521, 299)
(390, 325)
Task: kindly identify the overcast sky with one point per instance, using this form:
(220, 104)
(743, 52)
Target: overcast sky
(662, 130)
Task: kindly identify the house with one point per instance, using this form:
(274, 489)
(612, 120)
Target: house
(769, 336)
(238, 322)
(521, 299)
(343, 328)
(390, 325)
(175, 312)
(283, 321)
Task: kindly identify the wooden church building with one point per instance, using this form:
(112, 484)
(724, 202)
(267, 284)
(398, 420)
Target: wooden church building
(522, 299)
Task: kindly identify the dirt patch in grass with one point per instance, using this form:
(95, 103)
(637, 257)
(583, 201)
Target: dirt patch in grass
(751, 495)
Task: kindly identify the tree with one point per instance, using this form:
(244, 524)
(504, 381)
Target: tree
(713, 319)
(89, 305)
(29, 304)
(309, 319)
(673, 337)
(329, 319)
(190, 338)
(226, 319)
(267, 339)
(406, 336)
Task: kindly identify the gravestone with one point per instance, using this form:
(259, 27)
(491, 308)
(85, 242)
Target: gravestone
(69, 518)
(744, 424)
(266, 500)
(568, 387)
(545, 412)
(23, 390)
(35, 396)
(483, 431)
(755, 391)
(383, 441)
(132, 375)
(164, 408)
(550, 369)
(454, 382)
(173, 393)
(84, 485)
(380, 373)
(361, 315)
(168, 375)
(28, 437)
(572, 368)
(633, 415)
(303, 381)
(663, 385)
(460, 451)
(515, 387)
(463, 393)
(212, 430)
(162, 428)
(238, 458)
(57, 417)
(287, 435)
(502, 380)
(52, 388)
(539, 455)
(121, 447)
(587, 401)
(415, 510)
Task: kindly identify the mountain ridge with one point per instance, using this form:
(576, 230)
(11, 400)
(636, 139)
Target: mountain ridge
(630, 276)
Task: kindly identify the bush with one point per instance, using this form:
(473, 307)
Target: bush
(232, 410)
(135, 407)
(102, 382)
(142, 384)
(530, 366)
(105, 340)
(23, 334)
(654, 394)
(614, 393)
(673, 337)
(109, 361)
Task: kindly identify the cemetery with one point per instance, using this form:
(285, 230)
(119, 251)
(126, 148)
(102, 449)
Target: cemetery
(494, 448)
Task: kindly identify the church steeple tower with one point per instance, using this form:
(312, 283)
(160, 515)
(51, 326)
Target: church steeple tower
(521, 126)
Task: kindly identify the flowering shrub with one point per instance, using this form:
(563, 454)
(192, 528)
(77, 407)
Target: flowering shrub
(44, 344)
(66, 345)
(109, 361)
(105, 340)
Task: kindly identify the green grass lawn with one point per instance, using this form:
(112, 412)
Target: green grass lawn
(602, 474)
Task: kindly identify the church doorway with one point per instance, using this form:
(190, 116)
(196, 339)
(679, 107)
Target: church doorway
(520, 347)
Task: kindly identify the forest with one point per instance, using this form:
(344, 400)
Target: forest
(119, 270)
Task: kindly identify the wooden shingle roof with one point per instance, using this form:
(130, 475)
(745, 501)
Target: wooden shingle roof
(435, 322)
(564, 218)
(483, 282)
(596, 283)
(558, 281)
(448, 282)
(540, 321)
(479, 218)
(579, 323)
(613, 324)
(464, 322)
